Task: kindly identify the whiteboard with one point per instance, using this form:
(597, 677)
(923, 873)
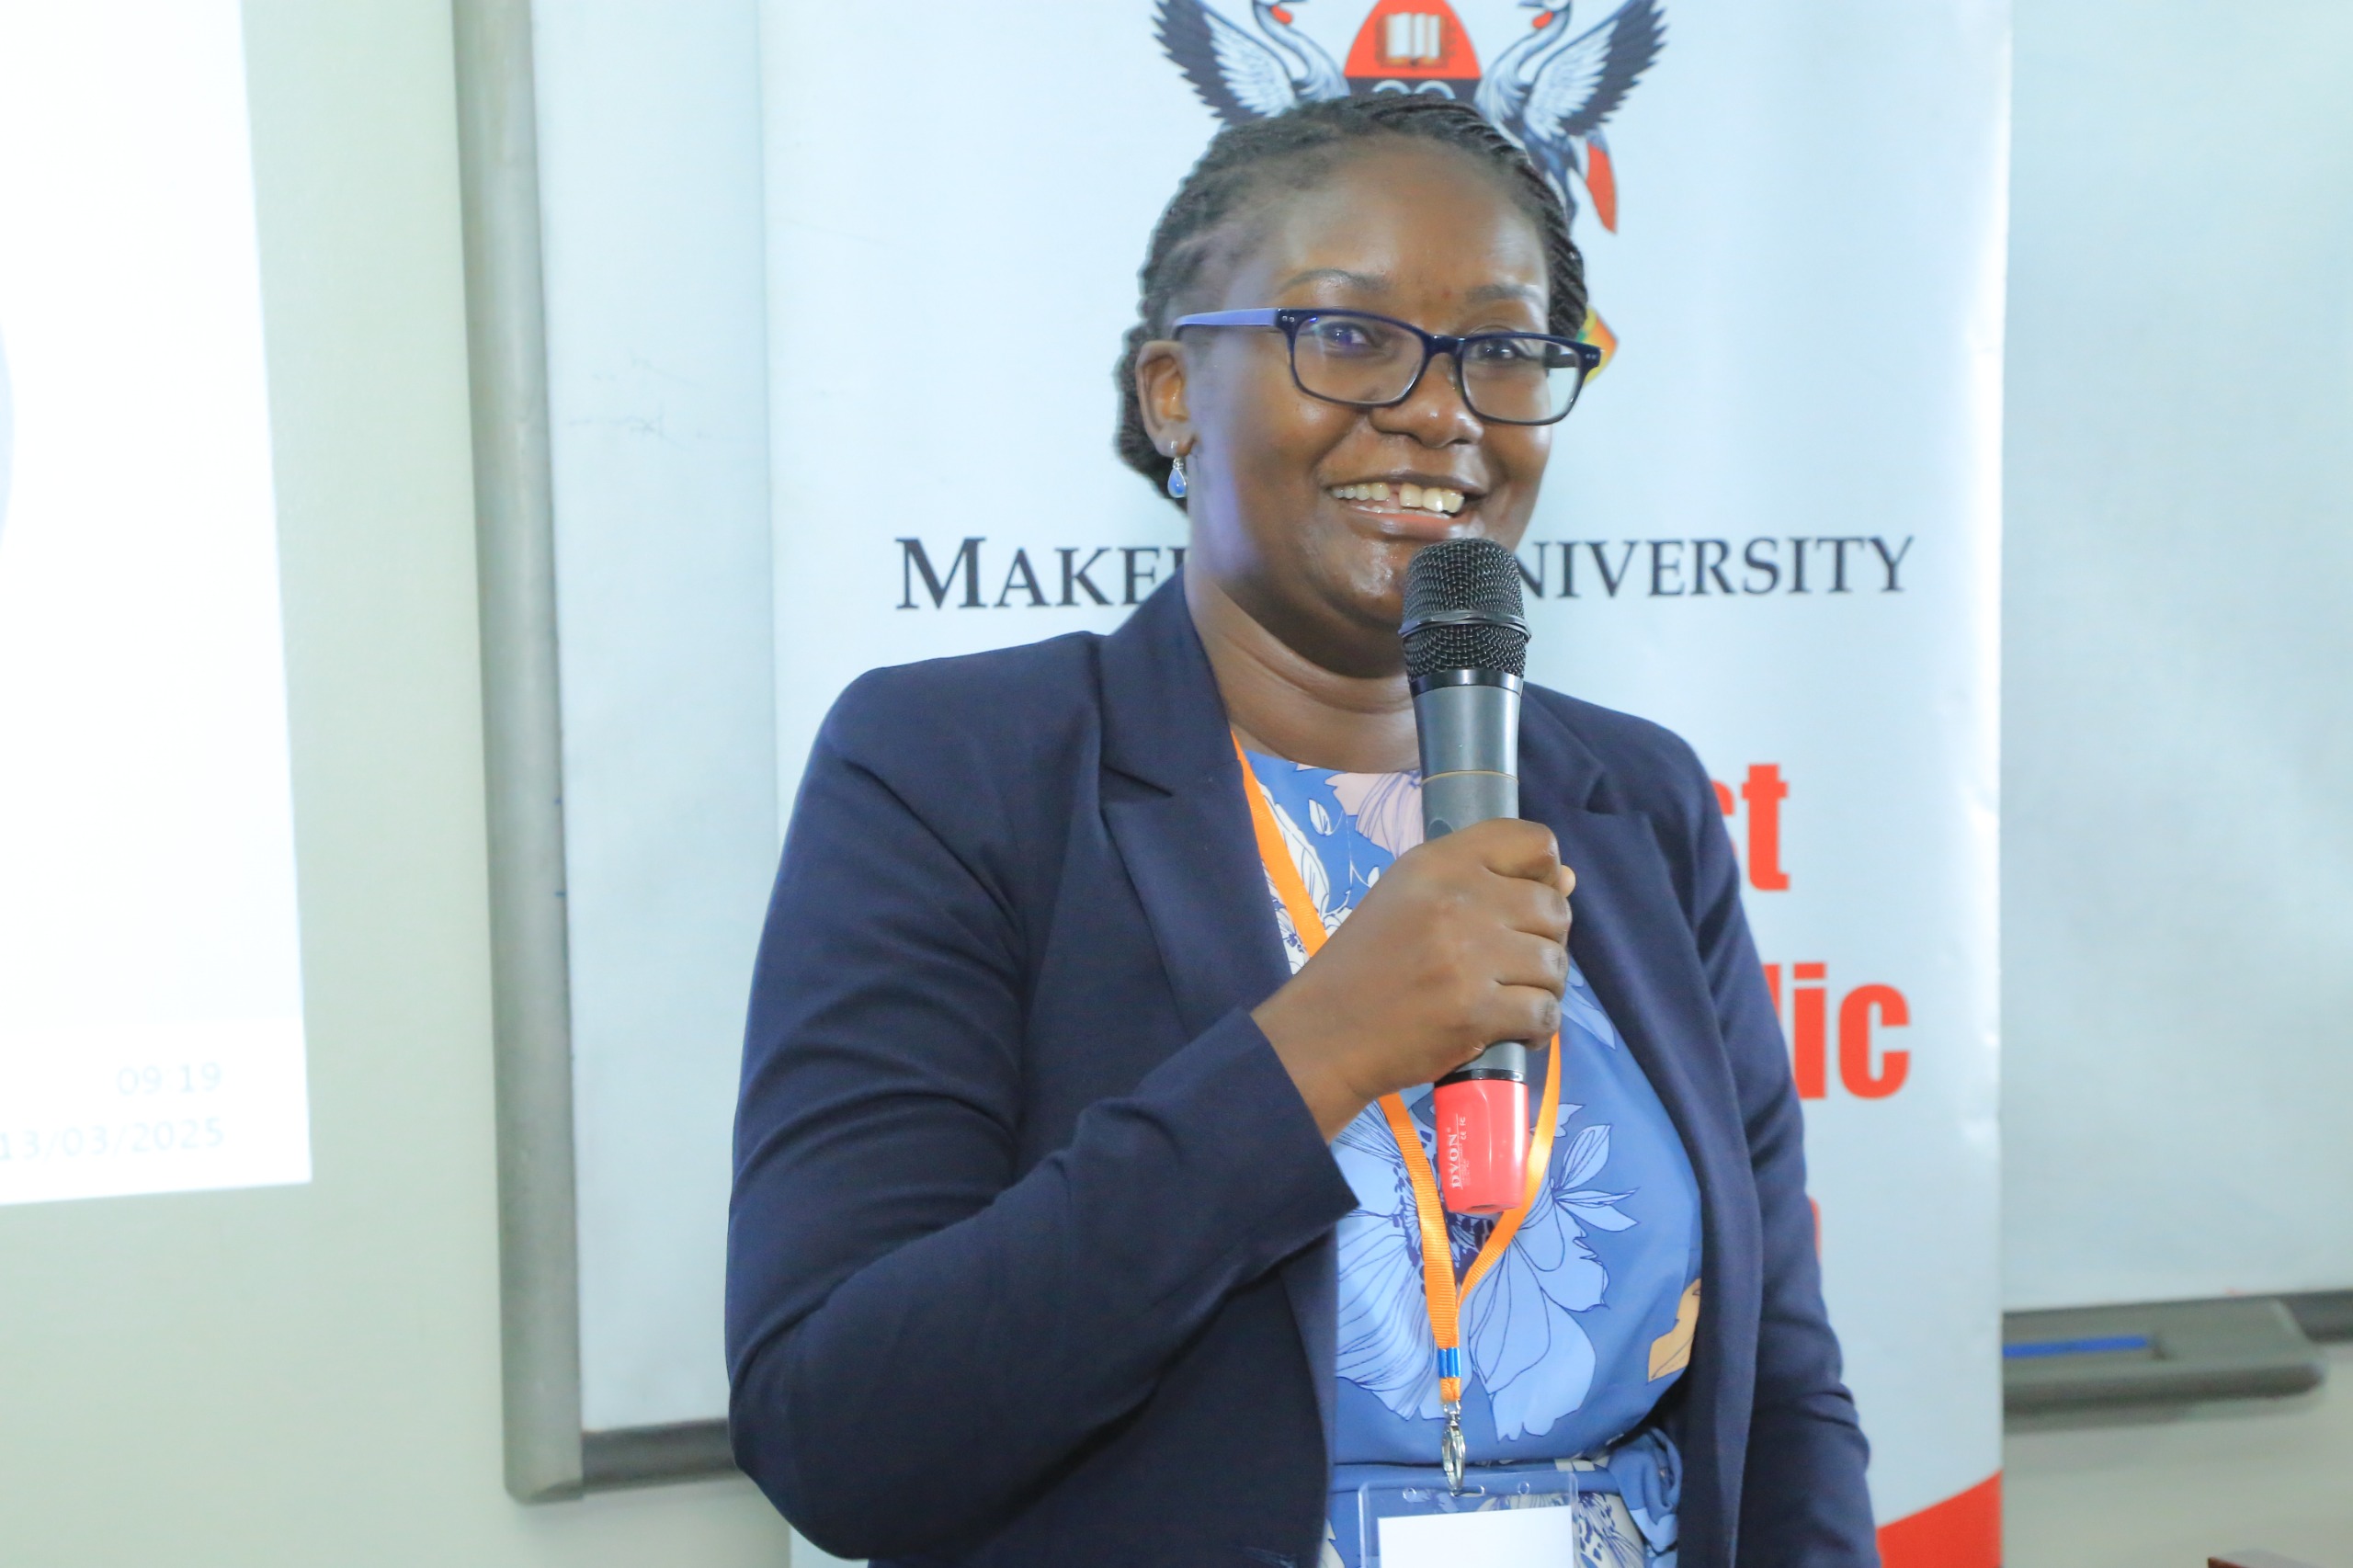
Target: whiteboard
(651, 216)
(2176, 966)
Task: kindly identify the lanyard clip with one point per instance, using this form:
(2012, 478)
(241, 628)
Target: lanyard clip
(1452, 1449)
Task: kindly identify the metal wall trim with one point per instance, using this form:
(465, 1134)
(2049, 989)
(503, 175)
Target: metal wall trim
(523, 749)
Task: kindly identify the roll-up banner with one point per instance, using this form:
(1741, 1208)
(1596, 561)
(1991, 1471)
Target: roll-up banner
(1772, 524)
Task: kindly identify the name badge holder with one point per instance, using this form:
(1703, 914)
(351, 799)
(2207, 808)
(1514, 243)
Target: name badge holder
(1379, 1500)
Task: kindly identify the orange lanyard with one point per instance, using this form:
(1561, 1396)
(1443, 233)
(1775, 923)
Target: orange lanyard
(1439, 1288)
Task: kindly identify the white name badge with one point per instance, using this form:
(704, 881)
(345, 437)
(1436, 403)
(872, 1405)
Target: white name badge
(1498, 1537)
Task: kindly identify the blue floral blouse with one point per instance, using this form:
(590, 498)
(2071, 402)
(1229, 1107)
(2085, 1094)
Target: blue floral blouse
(1569, 1344)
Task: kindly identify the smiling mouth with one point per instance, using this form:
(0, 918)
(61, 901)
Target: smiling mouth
(1436, 500)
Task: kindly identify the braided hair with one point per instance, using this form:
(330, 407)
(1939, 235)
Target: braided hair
(1293, 150)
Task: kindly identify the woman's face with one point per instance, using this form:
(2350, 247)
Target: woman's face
(1411, 229)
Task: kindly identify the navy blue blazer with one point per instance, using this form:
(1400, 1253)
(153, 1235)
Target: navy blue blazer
(1030, 1257)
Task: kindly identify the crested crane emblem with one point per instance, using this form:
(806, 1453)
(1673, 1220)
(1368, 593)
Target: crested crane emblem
(1552, 89)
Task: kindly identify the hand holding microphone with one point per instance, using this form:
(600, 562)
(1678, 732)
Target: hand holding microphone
(1460, 944)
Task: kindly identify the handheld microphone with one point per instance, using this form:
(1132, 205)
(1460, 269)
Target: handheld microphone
(1466, 651)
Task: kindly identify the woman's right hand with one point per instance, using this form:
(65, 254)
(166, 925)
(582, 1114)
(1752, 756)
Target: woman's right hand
(1461, 943)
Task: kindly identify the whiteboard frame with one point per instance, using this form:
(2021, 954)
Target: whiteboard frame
(522, 750)
(549, 1455)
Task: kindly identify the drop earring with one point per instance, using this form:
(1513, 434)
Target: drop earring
(1177, 477)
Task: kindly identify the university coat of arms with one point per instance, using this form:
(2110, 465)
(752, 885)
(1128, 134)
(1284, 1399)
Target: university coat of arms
(1551, 89)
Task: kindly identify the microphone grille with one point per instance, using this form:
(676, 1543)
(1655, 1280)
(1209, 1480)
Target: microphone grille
(1463, 610)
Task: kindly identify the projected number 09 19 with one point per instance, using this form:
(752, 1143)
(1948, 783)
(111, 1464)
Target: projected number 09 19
(182, 1078)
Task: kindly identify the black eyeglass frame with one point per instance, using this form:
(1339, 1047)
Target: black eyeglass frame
(1288, 321)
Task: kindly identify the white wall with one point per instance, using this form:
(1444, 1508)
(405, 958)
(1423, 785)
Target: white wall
(308, 1376)
(2178, 785)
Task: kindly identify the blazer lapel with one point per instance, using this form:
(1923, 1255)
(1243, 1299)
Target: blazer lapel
(1634, 942)
(1173, 807)
(1176, 812)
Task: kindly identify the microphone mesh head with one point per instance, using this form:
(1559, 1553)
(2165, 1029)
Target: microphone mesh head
(1462, 610)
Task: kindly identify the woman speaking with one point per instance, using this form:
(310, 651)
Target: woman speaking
(1083, 1157)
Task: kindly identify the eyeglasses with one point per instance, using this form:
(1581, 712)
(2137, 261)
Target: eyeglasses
(1369, 362)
